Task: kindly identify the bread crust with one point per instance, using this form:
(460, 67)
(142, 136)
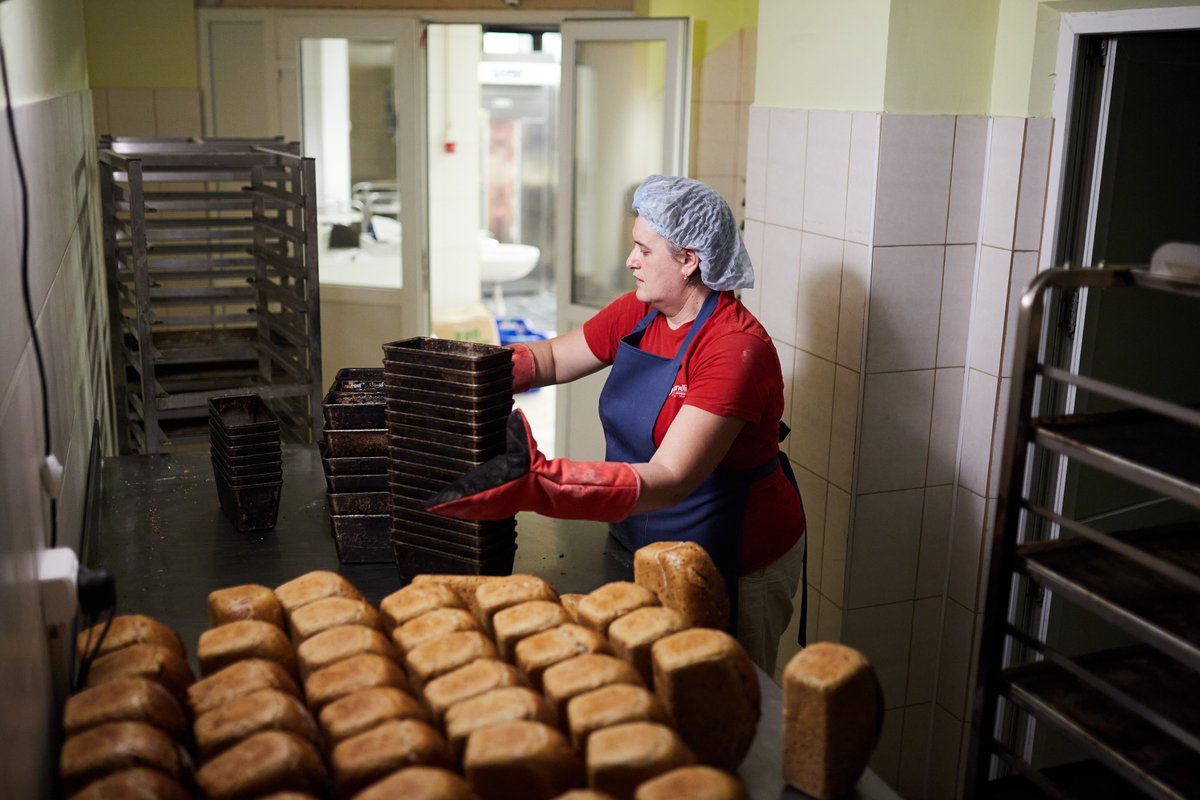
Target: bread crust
(125, 700)
(236, 680)
(242, 639)
(512, 624)
(266, 709)
(697, 782)
(581, 674)
(360, 711)
(432, 625)
(454, 650)
(313, 586)
(621, 757)
(537, 652)
(248, 601)
(509, 590)
(684, 578)
(521, 760)
(126, 630)
(610, 705)
(115, 746)
(632, 635)
(599, 608)
(151, 661)
(415, 599)
(419, 783)
(392, 745)
(492, 708)
(339, 643)
(479, 676)
(266, 762)
(136, 783)
(362, 671)
(331, 612)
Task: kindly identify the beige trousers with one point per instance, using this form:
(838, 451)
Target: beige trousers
(765, 605)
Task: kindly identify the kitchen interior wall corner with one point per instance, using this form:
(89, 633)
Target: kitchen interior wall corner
(44, 49)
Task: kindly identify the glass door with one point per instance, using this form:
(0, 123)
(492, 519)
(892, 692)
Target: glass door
(625, 95)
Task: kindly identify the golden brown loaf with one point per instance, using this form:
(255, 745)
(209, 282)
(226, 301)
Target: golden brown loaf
(832, 716)
(339, 643)
(236, 680)
(287, 795)
(696, 782)
(481, 675)
(390, 746)
(580, 674)
(248, 601)
(512, 624)
(137, 783)
(492, 708)
(432, 625)
(521, 760)
(126, 630)
(116, 746)
(362, 710)
(537, 652)
(330, 612)
(270, 761)
(634, 634)
(463, 585)
(690, 669)
(415, 599)
(125, 700)
(599, 608)
(570, 604)
(446, 654)
(584, 794)
(610, 705)
(264, 710)
(313, 586)
(622, 756)
(362, 671)
(684, 578)
(151, 661)
(243, 639)
(419, 783)
(509, 590)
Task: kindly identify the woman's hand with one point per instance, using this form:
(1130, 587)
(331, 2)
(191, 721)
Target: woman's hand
(694, 446)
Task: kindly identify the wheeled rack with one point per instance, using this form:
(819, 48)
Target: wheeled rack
(1130, 706)
(211, 255)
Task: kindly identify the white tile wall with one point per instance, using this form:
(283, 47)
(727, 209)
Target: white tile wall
(914, 751)
(923, 650)
(966, 180)
(786, 147)
(131, 112)
(1031, 198)
(843, 426)
(979, 414)
(856, 277)
(863, 169)
(935, 536)
(895, 430)
(955, 660)
(884, 547)
(812, 412)
(757, 158)
(988, 309)
(1001, 181)
(819, 287)
(813, 492)
(1024, 268)
(955, 315)
(826, 168)
(882, 634)
(752, 236)
(905, 299)
(787, 367)
(778, 281)
(946, 747)
(837, 529)
(944, 426)
(885, 760)
(716, 138)
(966, 544)
(829, 623)
(915, 154)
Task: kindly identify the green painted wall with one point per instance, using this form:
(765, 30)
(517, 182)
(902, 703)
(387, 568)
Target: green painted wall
(939, 56)
(134, 44)
(44, 49)
(714, 21)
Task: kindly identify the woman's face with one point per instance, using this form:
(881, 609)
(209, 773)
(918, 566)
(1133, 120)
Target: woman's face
(659, 274)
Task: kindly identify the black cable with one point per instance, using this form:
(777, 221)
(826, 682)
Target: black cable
(37, 346)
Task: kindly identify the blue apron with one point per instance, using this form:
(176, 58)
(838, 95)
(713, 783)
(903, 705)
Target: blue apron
(711, 516)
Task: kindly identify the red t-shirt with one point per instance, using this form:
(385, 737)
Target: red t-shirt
(731, 370)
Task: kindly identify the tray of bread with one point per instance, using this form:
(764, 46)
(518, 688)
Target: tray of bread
(454, 686)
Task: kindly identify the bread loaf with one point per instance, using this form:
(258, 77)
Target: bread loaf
(696, 782)
(392, 745)
(330, 612)
(416, 599)
(570, 604)
(432, 625)
(264, 710)
(832, 717)
(288, 795)
(126, 630)
(236, 680)
(470, 680)
(520, 760)
(537, 652)
(599, 608)
(313, 586)
(248, 601)
(584, 794)
(270, 761)
(339, 643)
(243, 639)
(151, 661)
(693, 667)
(419, 783)
(446, 654)
(363, 671)
(492, 708)
(509, 590)
(136, 783)
(362, 710)
(115, 746)
(622, 756)
(512, 624)
(634, 634)
(684, 578)
(463, 585)
(580, 674)
(610, 705)
(125, 700)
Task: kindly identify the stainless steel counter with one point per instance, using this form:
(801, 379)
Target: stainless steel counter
(164, 537)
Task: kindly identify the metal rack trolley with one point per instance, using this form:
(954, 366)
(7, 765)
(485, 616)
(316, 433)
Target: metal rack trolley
(1134, 710)
(199, 266)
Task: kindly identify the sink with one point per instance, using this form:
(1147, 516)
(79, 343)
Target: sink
(499, 262)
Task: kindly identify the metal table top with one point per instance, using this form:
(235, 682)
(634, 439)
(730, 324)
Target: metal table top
(164, 537)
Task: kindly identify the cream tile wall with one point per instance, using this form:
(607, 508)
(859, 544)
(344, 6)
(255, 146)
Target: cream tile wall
(147, 112)
(722, 90)
(900, 244)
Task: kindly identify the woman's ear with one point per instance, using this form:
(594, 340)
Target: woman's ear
(691, 263)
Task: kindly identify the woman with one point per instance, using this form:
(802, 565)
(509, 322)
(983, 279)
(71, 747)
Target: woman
(691, 414)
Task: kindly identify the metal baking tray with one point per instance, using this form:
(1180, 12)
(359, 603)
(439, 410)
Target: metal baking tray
(250, 508)
(351, 465)
(242, 414)
(412, 560)
(269, 474)
(497, 533)
(492, 440)
(417, 449)
(356, 483)
(447, 353)
(353, 410)
(464, 409)
(362, 539)
(450, 427)
(348, 503)
(398, 372)
(356, 443)
(405, 509)
(397, 382)
(442, 545)
(402, 453)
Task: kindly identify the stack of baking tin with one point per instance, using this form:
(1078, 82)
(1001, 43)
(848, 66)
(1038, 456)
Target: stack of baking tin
(354, 456)
(447, 410)
(247, 459)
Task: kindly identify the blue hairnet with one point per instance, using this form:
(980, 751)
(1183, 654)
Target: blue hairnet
(692, 215)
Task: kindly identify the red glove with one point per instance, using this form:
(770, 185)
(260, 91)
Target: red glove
(522, 479)
(523, 368)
